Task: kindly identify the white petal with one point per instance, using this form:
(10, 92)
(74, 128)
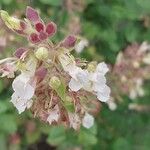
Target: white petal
(88, 121)
(104, 95)
(30, 67)
(111, 104)
(22, 88)
(100, 83)
(80, 46)
(74, 85)
(82, 77)
(18, 103)
(54, 115)
(102, 68)
(67, 61)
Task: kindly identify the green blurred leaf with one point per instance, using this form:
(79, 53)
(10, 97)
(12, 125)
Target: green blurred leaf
(8, 123)
(3, 106)
(7, 2)
(56, 135)
(52, 2)
(3, 144)
(121, 144)
(86, 137)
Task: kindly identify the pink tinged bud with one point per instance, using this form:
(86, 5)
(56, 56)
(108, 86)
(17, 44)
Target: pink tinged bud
(39, 27)
(19, 52)
(23, 25)
(69, 41)
(34, 38)
(20, 32)
(32, 14)
(51, 28)
(42, 35)
(41, 72)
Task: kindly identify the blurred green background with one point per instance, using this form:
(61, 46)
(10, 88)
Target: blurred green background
(109, 26)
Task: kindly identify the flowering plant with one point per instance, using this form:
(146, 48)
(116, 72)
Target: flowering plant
(58, 88)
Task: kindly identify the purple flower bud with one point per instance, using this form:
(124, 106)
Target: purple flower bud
(41, 73)
(34, 38)
(51, 28)
(23, 25)
(19, 52)
(39, 27)
(32, 14)
(43, 35)
(69, 41)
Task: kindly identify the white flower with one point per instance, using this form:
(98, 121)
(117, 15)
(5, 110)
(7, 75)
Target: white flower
(79, 79)
(67, 61)
(23, 92)
(81, 45)
(54, 115)
(24, 87)
(137, 90)
(88, 121)
(91, 81)
(111, 104)
(20, 104)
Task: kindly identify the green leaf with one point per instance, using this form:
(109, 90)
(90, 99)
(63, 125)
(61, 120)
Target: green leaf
(3, 145)
(7, 2)
(3, 106)
(8, 123)
(61, 91)
(121, 144)
(1, 85)
(69, 106)
(86, 137)
(57, 135)
(52, 2)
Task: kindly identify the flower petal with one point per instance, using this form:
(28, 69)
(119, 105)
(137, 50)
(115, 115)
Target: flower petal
(102, 68)
(74, 85)
(104, 95)
(32, 14)
(88, 121)
(18, 103)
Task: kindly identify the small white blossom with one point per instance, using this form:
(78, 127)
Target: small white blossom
(53, 115)
(137, 90)
(111, 104)
(88, 121)
(23, 92)
(81, 45)
(91, 81)
(24, 87)
(20, 104)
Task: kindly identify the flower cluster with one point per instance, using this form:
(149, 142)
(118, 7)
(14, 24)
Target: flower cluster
(131, 70)
(57, 88)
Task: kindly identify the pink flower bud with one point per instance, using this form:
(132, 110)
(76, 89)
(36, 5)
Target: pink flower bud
(32, 14)
(43, 35)
(19, 52)
(51, 28)
(39, 27)
(41, 72)
(23, 25)
(69, 41)
(34, 38)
